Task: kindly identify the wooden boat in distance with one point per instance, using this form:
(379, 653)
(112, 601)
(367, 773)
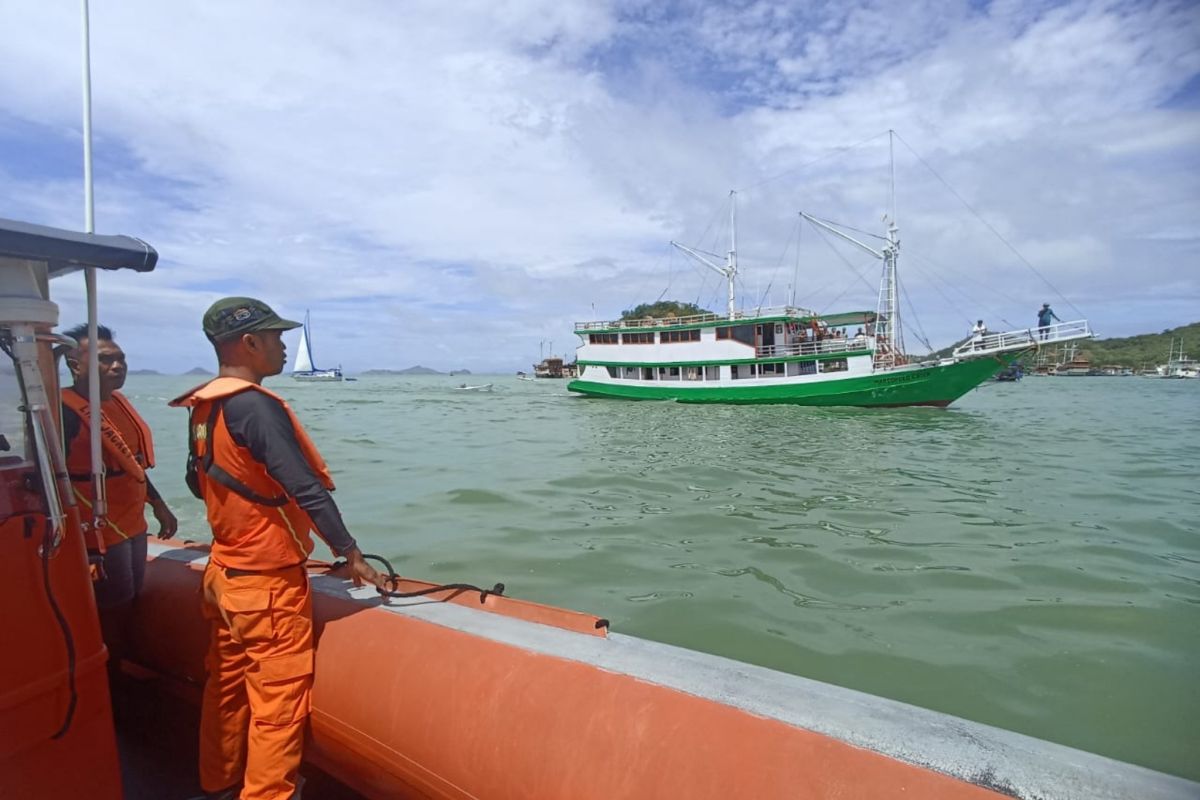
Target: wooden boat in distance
(790, 354)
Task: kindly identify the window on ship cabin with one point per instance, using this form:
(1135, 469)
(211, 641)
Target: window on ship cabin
(693, 374)
(795, 368)
(742, 371)
(647, 373)
(673, 337)
(834, 365)
(612, 372)
(773, 370)
(668, 373)
(602, 338)
(630, 373)
(638, 338)
(712, 373)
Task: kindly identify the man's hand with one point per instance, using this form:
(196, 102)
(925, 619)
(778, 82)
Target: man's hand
(361, 572)
(168, 526)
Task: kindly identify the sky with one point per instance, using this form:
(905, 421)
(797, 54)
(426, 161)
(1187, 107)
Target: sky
(455, 184)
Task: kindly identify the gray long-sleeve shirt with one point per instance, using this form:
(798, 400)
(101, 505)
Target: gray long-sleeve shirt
(260, 424)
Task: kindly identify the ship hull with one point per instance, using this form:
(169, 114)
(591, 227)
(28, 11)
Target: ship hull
(937, 385)
(320, 376)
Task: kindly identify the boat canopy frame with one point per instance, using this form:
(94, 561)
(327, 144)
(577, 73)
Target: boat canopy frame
(67, 251)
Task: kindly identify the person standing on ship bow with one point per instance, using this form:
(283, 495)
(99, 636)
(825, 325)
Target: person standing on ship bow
(127, 453)
(265, 487)
(1045, 315)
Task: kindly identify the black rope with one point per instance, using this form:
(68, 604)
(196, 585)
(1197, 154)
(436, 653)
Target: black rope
(68, 640)
(394, 578)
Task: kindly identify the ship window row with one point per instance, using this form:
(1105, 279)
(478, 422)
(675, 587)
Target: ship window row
(790, 369)
(665, 373)
(645, 337)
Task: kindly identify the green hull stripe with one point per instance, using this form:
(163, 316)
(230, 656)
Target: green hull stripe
(727, 362)
(938, 385)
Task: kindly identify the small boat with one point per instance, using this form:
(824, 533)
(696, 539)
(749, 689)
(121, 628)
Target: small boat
(483, 387)
(1178, 365)
(304, 370)
(1013, 372)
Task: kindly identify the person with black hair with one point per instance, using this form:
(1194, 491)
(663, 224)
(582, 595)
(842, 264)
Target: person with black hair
(127, 453)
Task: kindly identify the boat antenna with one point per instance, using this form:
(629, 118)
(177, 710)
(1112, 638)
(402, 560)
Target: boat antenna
(729, 270)
(99, 497)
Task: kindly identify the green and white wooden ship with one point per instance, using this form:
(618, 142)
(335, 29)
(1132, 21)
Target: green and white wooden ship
(792, 355)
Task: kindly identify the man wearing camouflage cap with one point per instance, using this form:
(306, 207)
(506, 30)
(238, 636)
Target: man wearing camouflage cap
(266, 488)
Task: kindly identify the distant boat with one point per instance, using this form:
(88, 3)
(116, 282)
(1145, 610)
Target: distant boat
(1178, 365)
(1013, 372)
(484, 387)
(304, 370)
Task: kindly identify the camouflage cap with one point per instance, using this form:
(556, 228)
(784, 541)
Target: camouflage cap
(233, 316)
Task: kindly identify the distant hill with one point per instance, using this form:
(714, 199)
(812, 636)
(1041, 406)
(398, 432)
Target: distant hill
(144, 372)
(1148, 349)
(417, 370)
(460, 372)
(198, 371)
(664, 308)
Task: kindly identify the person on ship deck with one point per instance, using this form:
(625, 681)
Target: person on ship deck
(266, 488)
(127, 454)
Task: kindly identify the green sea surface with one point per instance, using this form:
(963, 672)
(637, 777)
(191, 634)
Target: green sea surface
(1028, 558)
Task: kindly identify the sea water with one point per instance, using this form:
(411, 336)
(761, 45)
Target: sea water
(1028, 558)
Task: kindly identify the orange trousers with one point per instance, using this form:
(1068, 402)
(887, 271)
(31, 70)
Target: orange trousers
(258, 693)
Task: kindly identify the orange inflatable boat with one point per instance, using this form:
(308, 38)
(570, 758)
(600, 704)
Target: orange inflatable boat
(453, 694)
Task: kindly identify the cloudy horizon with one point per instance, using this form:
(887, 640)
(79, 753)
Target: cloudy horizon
(454, 184)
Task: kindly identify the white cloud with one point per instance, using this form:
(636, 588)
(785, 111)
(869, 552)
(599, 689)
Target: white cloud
(473, 177)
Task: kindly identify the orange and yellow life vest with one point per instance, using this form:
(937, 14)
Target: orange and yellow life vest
(255, 524)
(127, 451)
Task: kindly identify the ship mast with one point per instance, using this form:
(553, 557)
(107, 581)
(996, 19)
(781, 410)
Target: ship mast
(889, 341)
(729, 270)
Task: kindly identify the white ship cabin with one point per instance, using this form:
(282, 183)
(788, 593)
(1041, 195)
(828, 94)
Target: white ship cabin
(773, 343)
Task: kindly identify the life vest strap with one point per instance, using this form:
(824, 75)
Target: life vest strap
(222, 477)
(217, 473)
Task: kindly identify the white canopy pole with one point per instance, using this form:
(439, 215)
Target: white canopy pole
(99, 500)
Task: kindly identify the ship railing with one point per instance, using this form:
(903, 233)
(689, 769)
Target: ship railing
(1037, 336)
(694, 319)
(848, 345)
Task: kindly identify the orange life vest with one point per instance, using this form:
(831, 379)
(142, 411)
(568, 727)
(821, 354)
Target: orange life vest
(255, 524)
(125, 464)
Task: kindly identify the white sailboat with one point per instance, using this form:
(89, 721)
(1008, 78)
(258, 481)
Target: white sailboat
(303, 369)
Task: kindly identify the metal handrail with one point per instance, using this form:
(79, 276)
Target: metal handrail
(814, 348)
(1020, 339)
(695, 319)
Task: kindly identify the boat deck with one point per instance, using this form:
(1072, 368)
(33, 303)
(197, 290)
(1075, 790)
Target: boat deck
(157, 733)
